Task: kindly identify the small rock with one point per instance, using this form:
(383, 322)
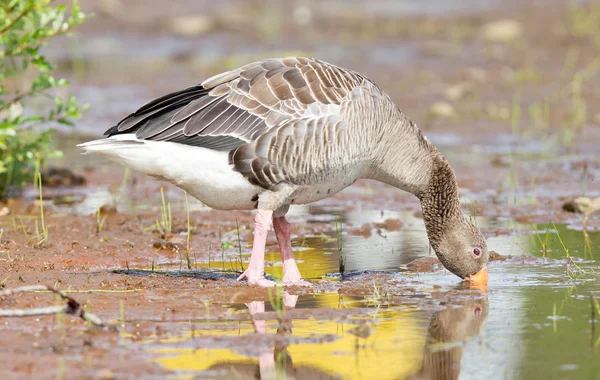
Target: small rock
(364, 231)
(4, 211)
(173, 243)
(500, 160)
(502, 30)
(582, 205)
(108, 209)
(424, 264)
(442, 109)
(190, 26)
(495, 256)
(106, 374)
(458, 91)
(495, 111)
(477, 74)
(55, 177)
(392, 224)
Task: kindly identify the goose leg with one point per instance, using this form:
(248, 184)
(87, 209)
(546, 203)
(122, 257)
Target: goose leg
(255, 273)
(291, 274)
(266, 359)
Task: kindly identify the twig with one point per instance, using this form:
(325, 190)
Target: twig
(20, 96)
(34, 312)
(20, 16)
(72, 307)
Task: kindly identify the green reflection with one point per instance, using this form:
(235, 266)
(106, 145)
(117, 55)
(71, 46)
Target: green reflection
(556, 339)
(557, 241)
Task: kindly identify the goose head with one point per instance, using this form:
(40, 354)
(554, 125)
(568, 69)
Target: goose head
(459, 244)
(462, 249)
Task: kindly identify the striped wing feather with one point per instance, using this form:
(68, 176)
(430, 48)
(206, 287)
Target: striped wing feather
(240, 111)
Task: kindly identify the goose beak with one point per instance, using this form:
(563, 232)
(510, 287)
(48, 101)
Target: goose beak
(480, 278)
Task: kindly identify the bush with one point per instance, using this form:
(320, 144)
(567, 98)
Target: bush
(26, 80)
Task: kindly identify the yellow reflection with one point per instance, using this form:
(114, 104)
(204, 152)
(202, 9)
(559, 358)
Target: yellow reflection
(393, 349)
(397, 344)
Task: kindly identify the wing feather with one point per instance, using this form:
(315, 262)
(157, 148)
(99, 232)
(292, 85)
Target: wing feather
(255, 111)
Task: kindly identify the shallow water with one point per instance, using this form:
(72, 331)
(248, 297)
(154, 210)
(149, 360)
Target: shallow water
(534, 320)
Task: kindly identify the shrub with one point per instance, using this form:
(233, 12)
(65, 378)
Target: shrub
(25, 82)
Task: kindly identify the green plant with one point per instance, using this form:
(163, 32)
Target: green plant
(543, 243)
(338, 235)
(276, 301)
(28, 92)
(237, 226)
(583, 19)
(99, 220)
(43, 235)
(189, 232)
(166, 222)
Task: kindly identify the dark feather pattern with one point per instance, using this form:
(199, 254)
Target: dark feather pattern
(234, 109)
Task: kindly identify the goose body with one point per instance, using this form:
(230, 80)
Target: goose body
(291, 131)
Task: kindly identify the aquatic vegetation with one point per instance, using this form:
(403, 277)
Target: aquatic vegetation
(543, 243)
(239, 240)
(164, 227)
(339, 237)
(41, 236)
(276, 300)
(188, 234)
(583, 19)
(100, 219)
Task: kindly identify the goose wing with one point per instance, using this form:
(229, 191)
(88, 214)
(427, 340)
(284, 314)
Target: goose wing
(235, 107)
(232, 110)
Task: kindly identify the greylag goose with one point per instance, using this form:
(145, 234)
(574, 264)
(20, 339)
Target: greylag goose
(289, 131)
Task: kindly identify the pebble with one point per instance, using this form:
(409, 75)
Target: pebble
(442, 109)
(190, 26)
(503, 30)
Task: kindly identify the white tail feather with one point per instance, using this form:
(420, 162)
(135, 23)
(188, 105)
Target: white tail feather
(206, 174)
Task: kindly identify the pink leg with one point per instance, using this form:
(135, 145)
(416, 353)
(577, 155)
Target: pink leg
(266, 359)
(255, 273)
(291, 274)
(255, 307)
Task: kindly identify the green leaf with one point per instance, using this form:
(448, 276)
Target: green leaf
(21, 148)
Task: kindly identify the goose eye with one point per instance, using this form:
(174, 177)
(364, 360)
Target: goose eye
(476, 252)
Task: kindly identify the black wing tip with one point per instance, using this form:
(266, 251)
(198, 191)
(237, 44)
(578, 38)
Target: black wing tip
(112, 131)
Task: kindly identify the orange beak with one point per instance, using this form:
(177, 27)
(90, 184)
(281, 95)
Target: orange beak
(480, 278)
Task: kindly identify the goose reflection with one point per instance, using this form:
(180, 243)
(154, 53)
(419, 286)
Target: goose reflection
(448, 330)
(274, 362)
(364, 351)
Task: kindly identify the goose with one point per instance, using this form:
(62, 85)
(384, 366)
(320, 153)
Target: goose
(285, 131)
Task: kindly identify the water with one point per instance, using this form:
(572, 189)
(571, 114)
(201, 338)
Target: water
(534, 320)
